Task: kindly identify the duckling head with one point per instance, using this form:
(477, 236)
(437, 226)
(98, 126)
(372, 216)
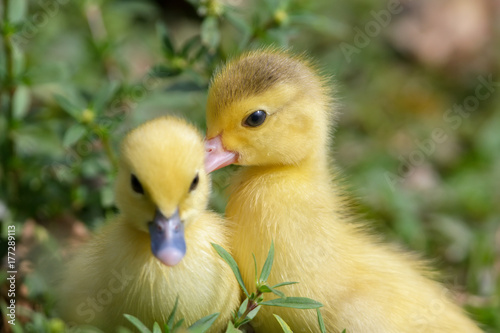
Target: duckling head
(162, 183)
(266, 108)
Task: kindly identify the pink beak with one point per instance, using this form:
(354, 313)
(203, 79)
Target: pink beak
(216, 156)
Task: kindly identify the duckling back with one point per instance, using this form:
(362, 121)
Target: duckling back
(119, 271)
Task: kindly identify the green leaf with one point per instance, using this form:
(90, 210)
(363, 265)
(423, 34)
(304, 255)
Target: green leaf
(293, 302)
(321, 322)
(255, 268)
(231, 329)
(162, 71)
(243, 307)
(156, 328)
(18, 10)
(202, 325)
(168, 47)
(137, 323)
(73, 134)
(171, 317)
(277, 292)
(266, 269)
(105, 95)
(189, 45)
(70, 108)
(22, 101)
(283, 324)
(178, 325)
(234, 266)
(210, 35)
(251, 315)
(266, 289)
(283, 284)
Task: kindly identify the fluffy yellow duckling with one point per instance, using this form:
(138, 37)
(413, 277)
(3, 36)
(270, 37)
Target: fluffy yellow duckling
(159, 246)
(270, 112)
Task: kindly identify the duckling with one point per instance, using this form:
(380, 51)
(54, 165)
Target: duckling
(159, 247)
(269, 112)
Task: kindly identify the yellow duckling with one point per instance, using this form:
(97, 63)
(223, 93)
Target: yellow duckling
(159, 246)
(270, 112)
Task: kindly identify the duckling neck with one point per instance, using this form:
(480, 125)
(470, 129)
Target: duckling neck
(314, 165)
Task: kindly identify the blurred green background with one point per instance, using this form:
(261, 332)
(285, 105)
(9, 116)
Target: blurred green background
(416, 85)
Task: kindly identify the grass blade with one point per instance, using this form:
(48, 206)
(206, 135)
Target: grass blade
(283, 324)
(321, 322)
(234, 266)
(293, 302)
(137, 323)
(171, 317)
(266, 269)
(283, 284)
(156, 328)
(202, 325)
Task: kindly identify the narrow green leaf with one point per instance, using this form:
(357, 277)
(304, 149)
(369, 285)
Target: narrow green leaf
(156, 328)
(168, 47)
(283, 284)
(234, 266)
(243, 307)
(171, 317)
(283, 324)
(104, 96)
(189, 44)
(251, 315)
(210, 35)
(162, 71)
(255, 268)
(70, 108)
(266, 289)
(266, 269)
(202, 325)
(22, 101)
(178, 325)
(137, 323)
(73, 134)
(321, 322)
(231, 329)
(293, 302)
(278, 293)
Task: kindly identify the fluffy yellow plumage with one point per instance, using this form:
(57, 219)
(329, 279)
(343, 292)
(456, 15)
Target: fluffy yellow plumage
(162, 191)
(270, 112)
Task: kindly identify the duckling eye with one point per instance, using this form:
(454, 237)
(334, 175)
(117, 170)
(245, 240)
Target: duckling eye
(136, 184)
(194, 183)
(255, 119)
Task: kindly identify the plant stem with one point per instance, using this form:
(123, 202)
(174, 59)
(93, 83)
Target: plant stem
(10, 90)
(250, 306)
(109, 151)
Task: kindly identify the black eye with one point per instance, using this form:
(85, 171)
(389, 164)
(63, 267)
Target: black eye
(136, 184)
(255, 119)
(195, 182)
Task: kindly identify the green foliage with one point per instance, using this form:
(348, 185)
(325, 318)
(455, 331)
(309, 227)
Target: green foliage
(76, 75)
(253, 303)
(200, 326)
